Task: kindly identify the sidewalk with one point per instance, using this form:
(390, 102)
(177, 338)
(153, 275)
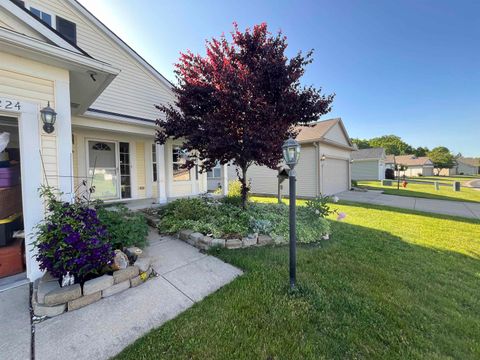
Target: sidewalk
(103, 329)
(445, 207)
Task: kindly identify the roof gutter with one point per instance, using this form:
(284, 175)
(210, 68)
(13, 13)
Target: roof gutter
(16, 43)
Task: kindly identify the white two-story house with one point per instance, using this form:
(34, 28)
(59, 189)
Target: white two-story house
(56, 53)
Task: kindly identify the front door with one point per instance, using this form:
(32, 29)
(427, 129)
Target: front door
(103, 169)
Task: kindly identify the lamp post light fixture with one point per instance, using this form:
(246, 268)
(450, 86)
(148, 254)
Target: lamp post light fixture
(48, 117)
(291, 154)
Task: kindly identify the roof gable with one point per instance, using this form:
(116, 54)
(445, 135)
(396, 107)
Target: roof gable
(138, 87)
(10, 22)
(338, 134)
(331, 131)
(18, 19)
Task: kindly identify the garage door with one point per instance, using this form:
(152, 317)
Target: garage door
(335, 176)
(428, 171)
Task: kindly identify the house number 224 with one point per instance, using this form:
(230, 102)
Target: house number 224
(10, 104)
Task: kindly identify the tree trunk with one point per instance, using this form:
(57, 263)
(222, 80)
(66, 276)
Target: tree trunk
(245, 188)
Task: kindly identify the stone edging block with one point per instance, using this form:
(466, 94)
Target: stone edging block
(204, 242)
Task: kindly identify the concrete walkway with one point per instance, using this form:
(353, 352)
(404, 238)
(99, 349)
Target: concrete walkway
(445, 207)
(103, 329)
(15, 328)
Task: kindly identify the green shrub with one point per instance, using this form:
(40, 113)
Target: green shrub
(354, 183)
(125, 227)
(319, 206)
(224, 220)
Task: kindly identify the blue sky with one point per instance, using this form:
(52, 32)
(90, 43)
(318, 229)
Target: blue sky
(409, 67)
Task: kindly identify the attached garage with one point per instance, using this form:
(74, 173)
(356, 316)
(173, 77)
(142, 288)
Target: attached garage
(327, 140)
(334, 175)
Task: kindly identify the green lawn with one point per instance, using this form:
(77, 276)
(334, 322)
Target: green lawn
(426, 191)
(389, 284)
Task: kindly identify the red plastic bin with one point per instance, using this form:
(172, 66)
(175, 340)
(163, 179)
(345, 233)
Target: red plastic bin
(12, 258)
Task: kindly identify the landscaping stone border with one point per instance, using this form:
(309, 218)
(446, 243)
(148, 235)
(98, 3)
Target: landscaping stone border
(205, 242)
(49, 299)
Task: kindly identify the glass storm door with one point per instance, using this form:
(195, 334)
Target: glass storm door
(102, 169)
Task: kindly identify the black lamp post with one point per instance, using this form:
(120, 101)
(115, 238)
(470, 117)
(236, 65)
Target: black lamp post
(48, 117)
(291, 154)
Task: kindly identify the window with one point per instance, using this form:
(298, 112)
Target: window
(101, 147)
(125, 176)
(179, 159)
(46, 18)
(67, 28)
(154, 162)
(215, 173)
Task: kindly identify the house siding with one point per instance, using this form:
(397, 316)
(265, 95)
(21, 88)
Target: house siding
(365, 170)
(264, 180)
(26, 80)
(467, 169)
(134, 91)
(7, 21)
(337, 135)
(140, 168)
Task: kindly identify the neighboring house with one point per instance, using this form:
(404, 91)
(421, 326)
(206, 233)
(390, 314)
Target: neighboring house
(467, 166)
(323, 168)
(104, 93)
(417, 166)
(368, 164)
(463, 166)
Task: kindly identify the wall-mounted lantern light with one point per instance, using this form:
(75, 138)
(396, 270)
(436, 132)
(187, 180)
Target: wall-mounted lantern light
(323, 158)
(49, 116)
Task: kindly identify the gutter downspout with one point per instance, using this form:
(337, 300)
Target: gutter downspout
(317, 168)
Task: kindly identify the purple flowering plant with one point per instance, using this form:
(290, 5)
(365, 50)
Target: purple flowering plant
(71, 239)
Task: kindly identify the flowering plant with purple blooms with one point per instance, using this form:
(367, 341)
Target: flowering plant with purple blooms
(71, 239)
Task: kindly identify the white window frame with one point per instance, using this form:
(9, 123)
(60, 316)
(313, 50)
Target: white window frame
(154, 163)
(211, 173)
(179, 147)
(29, 5)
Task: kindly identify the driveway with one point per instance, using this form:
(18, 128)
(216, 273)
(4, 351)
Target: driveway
(101, 330)
(474, 184)
(445, 207)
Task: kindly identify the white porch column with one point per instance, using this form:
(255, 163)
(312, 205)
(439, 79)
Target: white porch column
(63, 130)
(161, 176)
(225, 180)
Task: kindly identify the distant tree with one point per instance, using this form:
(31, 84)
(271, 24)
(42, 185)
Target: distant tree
(361, 143)
(442, 158)
(393, 145)
(240, 102)
(421, 151)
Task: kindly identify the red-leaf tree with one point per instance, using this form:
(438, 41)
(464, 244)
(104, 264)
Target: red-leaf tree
(240, 102)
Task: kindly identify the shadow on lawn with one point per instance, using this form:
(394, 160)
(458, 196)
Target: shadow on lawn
(408, 211)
